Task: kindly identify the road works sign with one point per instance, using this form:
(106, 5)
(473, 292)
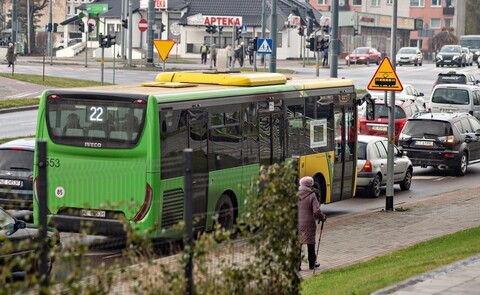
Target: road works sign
(163, 47)
(385, 78)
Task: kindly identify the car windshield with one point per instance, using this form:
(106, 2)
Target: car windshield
(450, 96)
(362, 151)
(457, 79)
(448, 49)
(360, 51)
(13, 159)
(407, 51)
(422, 128)
(5, 219)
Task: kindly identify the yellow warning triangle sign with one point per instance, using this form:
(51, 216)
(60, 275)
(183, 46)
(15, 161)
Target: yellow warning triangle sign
(385, 78)
(163, 47)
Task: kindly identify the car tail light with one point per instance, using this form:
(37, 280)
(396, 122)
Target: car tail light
(367, 167)
(146, 204)
(449, 155)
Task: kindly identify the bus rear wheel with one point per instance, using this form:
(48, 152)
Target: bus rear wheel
(225, 212)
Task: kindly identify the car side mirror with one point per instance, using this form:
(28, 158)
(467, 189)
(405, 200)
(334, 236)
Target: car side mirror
(14, 227)
(421, 94)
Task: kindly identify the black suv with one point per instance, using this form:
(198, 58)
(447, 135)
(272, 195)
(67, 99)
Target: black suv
(447, 141)
(16, 174)
(451, 55)
(454, 77)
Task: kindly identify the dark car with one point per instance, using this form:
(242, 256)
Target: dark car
(364, 55)
(454, 77)
(16, 174)
(446, 141)
(18, 244)
(451, 55)
(404, 109)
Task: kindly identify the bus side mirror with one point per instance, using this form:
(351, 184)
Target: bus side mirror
(369, 107)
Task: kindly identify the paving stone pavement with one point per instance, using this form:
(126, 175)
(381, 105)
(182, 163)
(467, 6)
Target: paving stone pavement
(352, 239)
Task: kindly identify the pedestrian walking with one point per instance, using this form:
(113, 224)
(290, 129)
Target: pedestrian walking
(308, 211)
(250, 54)
(325, 56)
(229, 50)
(204, 53)
(238, 56)
(213, 56)
(10, 54)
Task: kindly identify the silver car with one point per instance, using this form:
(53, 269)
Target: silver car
(409, 56)
(372, 165)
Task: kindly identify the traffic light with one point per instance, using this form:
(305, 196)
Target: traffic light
(48, 27)
(238, 31)
(125, 23)
(111, 40)
(90, 27)
(55, 27)
(326, 29)
(208, 29)
(220, 30)
(310, 27)
(162, 27)
(214, 29)
(103, 40)
(81, 27)
(355, 31)
(301, 31)
(312, 44)
(254, 43)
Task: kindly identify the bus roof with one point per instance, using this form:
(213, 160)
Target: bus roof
(172, 86)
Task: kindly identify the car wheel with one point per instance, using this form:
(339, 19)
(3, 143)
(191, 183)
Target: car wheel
(376, 187)
(439, 65)
(225, 212)
(462, 166)
(407, 181)
(420, 64)
(378, 61)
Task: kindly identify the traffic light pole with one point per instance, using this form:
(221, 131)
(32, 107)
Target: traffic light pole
(86, 46)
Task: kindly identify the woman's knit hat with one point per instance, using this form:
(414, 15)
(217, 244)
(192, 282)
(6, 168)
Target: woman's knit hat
(306, 181)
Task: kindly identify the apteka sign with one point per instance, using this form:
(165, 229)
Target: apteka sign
(227, 21)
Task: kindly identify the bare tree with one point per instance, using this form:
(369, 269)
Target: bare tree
(446, 36)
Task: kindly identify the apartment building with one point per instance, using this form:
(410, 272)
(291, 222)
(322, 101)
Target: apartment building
(372, 19)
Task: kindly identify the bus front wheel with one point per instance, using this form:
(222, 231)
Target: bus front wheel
(225, 212)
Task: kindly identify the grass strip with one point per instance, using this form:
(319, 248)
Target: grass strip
(57, 82)
(383, 271)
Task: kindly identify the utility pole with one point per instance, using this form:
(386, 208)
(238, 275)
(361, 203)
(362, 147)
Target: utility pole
(264, 24)
(50, 21)
(122, 32)
(130, 33)
(14, 21)
(29, 48)
(391, 116)
(334, 41)
(273, 34)
(151, 23)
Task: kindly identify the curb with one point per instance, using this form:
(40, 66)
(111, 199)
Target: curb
(18, 109)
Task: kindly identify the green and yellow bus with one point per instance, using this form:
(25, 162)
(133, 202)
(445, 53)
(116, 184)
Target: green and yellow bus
(115, 153)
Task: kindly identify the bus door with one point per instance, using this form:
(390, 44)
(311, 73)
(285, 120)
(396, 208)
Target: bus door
(197, 141)
(344, 170)
(272, 144)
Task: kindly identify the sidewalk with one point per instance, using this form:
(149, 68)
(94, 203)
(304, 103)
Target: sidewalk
(352, 239)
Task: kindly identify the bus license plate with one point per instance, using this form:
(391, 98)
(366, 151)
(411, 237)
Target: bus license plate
(424, 143)
(93, 213)
(11, 182)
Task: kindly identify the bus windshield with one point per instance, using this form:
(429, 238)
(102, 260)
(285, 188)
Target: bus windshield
(95, 123)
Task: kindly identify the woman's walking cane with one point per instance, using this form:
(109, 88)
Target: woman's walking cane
(318, 246)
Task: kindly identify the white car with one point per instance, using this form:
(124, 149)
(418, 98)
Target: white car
(61, 45)
(372, 165)
(409, 55)
(468, 56)
(408, 92)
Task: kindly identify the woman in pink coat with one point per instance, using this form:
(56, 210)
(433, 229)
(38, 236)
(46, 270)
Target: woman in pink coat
(308, 211)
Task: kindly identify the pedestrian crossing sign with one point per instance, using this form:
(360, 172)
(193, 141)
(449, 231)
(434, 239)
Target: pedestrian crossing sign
(264, 46)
